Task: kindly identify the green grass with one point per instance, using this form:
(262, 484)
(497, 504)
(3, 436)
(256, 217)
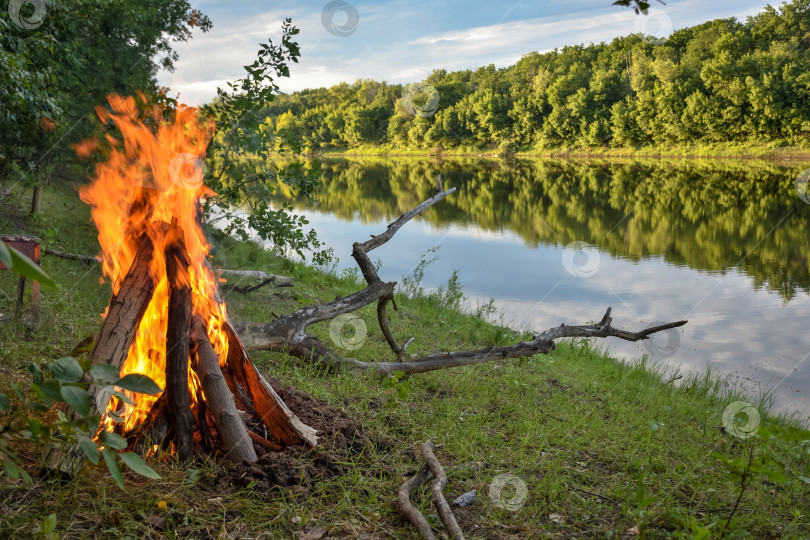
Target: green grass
(603, 445)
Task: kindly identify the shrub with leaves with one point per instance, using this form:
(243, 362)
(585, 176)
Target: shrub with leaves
(25, 422)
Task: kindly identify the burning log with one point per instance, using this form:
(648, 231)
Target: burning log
(181, 418)
(219, 399)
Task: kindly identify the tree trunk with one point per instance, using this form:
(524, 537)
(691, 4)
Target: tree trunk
(36, 200)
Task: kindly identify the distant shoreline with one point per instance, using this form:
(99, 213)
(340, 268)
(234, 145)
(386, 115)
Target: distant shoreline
(739, 152)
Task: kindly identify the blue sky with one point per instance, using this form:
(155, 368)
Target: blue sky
(403, 41)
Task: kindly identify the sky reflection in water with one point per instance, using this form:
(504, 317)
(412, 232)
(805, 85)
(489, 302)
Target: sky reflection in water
(732, 267)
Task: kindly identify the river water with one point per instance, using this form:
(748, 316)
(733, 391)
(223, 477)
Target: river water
(720, 243)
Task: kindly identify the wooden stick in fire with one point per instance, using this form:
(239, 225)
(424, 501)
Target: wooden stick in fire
(219, 399)
(177, 347)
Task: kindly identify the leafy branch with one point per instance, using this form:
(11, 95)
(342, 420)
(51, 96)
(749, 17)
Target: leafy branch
(245, 154)
(66, 381)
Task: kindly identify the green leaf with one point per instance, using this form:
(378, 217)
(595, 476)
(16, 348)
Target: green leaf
(33, 369)
(11, 468)
(134, 462)
(115, 470)
(49, 525)
(67, 370)
(36, 427)
(5, 403)
(52, 389)
(90, 449)
(113, 440)
(38, 391)
(26, 477)
(702, 533)
(136, 382)
(19, 392)
(77, 398)
(104, 373)
(37, 406)
(26, 267)
(5, 255)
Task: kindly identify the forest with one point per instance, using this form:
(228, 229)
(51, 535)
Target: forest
(721, 81)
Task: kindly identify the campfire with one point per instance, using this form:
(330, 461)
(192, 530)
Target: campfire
(166, 319)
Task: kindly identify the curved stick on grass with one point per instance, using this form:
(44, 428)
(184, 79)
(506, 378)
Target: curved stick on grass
(408, 510)
(439, 483)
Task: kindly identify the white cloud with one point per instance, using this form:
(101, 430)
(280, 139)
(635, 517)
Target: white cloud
(404, 42)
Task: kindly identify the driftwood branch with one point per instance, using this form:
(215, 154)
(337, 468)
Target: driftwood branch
(439, 483)
(263, 277)
(289, 334)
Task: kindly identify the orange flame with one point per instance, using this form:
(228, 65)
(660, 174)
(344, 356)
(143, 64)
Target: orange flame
(153, 177)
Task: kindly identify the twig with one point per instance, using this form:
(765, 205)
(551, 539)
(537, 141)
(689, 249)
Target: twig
(745, 481)
(85, 259)
(439, 483)
(408, 510)
(594, 494)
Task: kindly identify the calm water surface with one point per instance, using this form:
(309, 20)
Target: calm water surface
(723, 244)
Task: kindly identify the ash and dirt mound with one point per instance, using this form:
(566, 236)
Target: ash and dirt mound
(340, 438)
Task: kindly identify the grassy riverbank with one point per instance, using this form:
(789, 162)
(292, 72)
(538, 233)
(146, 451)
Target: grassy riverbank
(605, 450)
(769, 151)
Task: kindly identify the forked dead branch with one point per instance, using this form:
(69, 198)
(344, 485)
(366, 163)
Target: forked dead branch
(289, 333)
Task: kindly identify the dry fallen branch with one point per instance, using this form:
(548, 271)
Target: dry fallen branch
(263, 277)
(85, 259)
(289, 333)
(439, 483)
(408, 510)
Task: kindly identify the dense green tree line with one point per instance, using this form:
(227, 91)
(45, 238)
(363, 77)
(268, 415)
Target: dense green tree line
(708, 215)
(58, 60)
(721, 81)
